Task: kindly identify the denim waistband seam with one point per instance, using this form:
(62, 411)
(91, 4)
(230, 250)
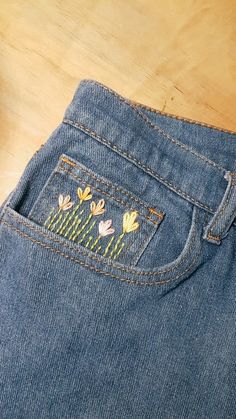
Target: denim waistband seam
(182, 118)
(162, 132)
(178, 143)
(151, 109)
(137, 162)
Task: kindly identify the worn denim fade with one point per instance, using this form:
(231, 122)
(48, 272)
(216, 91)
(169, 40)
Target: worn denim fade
(150, 333)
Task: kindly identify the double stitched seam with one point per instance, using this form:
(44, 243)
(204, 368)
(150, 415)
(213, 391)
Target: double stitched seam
(76, 177)
(127, 270)
(180, 118)
(130, 281)
(181, 145)
(222, 210)
(130, 101)
(157, 128)
(159, 214)
(137, 162)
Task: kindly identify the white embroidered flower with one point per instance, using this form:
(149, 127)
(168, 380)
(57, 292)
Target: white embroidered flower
(65, 203)
(104, 228)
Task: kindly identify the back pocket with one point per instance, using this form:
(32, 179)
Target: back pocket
(90, 211)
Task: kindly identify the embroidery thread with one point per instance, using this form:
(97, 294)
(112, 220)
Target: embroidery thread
(104, 229)
(68, 221)
(129, 225)
(83, 196)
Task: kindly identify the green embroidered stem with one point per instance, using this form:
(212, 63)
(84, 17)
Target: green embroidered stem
(57, 221)
(75, 224)
(87, 220)
(63, 227)
(68, 222)
(117, 254)
(95, 242)
(98, 249)
(62, 223)
(49, 217)
(53, 219)
(88, 241)
(71, 226)
(108, 246)
(86, 232)
(117, 244)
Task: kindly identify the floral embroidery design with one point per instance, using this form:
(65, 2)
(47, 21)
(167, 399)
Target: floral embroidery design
(129, 225)
(98, 236)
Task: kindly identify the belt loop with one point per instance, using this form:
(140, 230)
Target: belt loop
(222, 220)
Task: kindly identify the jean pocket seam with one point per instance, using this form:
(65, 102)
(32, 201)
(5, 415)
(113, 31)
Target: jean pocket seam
(94, 268)
(108, 263)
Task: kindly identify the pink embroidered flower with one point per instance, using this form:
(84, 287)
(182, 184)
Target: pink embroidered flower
(104, 228)
(65, 203)
(97, 209)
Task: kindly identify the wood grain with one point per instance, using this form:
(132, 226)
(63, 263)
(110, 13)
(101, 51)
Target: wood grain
(174, 55)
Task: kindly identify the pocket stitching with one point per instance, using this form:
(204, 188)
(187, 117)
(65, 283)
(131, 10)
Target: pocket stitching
(130, 281)
(137, 162)
(124, 269)
(109, 195)
(65, 159)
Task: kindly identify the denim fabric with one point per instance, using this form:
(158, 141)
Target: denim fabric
(118, 273)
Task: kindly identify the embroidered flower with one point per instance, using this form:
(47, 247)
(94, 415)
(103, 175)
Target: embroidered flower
(84, 195)
(97, 209)
(104, 228)
(65, 203)
(129, 223)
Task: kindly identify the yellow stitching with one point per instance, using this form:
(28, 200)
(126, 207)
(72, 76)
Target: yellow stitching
(138, 162)
(155, 212)
(126, 269)
(130, 281)
(110, 185)
(211, 237)
(107, 194)
(68, 161)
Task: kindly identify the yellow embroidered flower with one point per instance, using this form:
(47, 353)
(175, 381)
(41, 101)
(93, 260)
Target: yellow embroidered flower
(97, 209)
(84, 195)
(129, 223)
(65, 203)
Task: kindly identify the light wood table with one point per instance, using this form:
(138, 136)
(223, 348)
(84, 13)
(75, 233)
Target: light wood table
(175, 55)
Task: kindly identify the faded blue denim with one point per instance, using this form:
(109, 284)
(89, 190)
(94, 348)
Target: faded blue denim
(147, 331)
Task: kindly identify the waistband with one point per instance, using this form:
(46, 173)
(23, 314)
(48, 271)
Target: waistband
(121, 125)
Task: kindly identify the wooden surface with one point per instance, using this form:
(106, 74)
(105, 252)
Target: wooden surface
(174, 55)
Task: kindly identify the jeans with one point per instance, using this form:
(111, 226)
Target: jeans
(118, 273)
